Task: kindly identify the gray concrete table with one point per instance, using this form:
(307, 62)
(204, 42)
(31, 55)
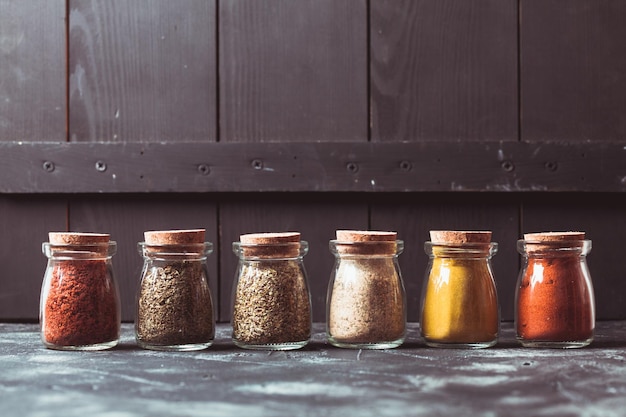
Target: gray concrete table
(319, 380)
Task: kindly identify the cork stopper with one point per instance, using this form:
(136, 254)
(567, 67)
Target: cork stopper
(97, 243)
(271, 245)
(77, 238)
(456, 237)
(366, 242)
(174, 241)
(554, 236)
(174, 237)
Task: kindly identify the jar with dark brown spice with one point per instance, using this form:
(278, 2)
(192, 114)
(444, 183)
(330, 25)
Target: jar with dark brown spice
(366, 305)
(174, 301)
(271, 299)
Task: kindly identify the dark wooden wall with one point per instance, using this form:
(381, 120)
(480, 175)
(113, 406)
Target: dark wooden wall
(511, 114)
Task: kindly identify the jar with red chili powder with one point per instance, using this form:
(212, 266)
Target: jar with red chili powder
(555, 305)
(79, 305)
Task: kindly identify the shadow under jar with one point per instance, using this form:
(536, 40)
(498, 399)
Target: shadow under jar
(459, 299)
(366, 302)
(79, 305)
(174, 303)
(554, 302)
(271, 300)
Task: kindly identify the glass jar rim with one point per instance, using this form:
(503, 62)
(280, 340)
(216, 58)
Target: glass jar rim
(466, 249)
(564, 247)
(177, 249)
(366, 248)
(79, 250)
(282, 250)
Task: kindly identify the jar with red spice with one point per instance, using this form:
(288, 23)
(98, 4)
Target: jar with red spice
(79, 305)
(555, 305)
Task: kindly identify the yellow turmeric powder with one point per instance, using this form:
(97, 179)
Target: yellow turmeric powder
(459, 301)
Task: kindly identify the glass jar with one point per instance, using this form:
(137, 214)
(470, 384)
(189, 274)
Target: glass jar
(366, 302)
(459, 298)
(554, 301)
(271, 300)
(174, 303)
(79, 305)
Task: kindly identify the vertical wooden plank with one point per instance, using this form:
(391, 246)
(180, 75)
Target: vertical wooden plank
(444, 70)
(573, 70)
(496, 212)
(126, 217)
(601, 216)
(32, 70)
(316, 217)
(293, 70)
(24, 225)
(142, 72)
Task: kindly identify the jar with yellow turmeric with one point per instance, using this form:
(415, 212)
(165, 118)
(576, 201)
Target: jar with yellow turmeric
(459, 300)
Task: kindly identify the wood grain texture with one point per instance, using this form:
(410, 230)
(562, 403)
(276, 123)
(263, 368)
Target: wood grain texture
(316, 217)
(601, 216)
(24, 225)
(438, 211)
(142, 72)
(293, 70)
(444, 70)
(125, 218)
(573, 70)
(32, 70)
(373, 167)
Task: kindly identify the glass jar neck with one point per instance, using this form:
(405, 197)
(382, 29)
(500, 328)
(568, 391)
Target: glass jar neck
(273, 251)
(187, 251)
(102, 251)
(461, 250)
(382, 249)
(579, 248)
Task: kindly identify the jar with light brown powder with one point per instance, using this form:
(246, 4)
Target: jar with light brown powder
(366, 303)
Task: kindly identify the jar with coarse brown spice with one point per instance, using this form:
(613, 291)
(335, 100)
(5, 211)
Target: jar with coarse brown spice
(271, 299)
(366, 303)
(174, 302)
(79, 305)
(554, 303)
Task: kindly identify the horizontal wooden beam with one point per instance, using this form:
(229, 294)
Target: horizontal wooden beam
(46, 167)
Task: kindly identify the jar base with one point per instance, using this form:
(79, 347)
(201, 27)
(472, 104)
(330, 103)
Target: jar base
(473, 345)
(271, 346)
(93, 347)
(555, 344)
(366, 345)
(188, 347)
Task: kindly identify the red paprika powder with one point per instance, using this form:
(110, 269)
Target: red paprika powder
(555, 304)
(79, 307)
